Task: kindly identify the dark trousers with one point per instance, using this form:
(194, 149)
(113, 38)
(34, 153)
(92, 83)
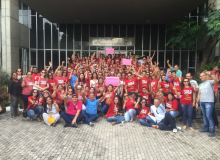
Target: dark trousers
(167, 123)
(68, 118)
(214, 116)
(61, 107)
(89, 117)
(25, 99)
(14, 105)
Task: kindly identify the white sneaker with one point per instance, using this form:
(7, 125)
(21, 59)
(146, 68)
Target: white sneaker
(122, 122)
(174, 130)
(91, 124)
(178, 128)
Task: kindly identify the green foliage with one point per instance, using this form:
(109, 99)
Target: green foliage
(3, 89)
(184, 32)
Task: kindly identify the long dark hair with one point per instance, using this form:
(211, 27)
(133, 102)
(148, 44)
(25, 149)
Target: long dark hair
(31, 94)
(141, 103)
(84, 79)
(172, 95)
(96, 75)
(119, 103)
(182, 83)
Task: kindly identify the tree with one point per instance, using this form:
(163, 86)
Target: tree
(186, 33)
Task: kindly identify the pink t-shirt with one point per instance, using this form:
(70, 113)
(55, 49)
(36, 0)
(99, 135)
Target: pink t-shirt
(42, 82)
(71, 108)
(59, 80)
(28, 86)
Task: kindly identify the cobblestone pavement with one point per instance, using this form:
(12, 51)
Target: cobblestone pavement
(23, 139)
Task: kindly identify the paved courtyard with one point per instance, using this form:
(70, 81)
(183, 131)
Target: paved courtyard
(23, 139)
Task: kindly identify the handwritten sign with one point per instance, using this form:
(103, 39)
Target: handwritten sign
(112, 80)
(126, 62)
(110, 51)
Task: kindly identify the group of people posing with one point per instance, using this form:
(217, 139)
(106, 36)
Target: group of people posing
(78, 93)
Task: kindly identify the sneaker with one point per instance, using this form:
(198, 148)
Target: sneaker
(91, 124)
(73, 125)
(122, 122)
(204, 130)
(178, 128)
(212, 133)
(174, 130)
(65, 125)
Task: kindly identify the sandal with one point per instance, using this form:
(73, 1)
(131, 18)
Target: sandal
(38, 119)
(13, 117)
(31, 119)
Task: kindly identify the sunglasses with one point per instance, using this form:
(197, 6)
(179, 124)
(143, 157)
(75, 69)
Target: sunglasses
(43, 72)
(185, 81)
(70, 91)
(34, 92)
(125, 95)
(18, 71)
(28, 74)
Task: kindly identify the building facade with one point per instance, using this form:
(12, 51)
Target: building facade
(39, 41)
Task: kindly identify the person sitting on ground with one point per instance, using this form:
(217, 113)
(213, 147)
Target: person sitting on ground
(90, 114)
(172, 105)
(73, 114)
(164, 119)
(113, 115)
(52, 112)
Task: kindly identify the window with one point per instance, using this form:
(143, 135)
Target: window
(100, 30)
(47, 57)
(115, 30)
(33, 33)
(154, 29)
(55, 35)
(62, 36)
(130, 32)
(138, 37)
(40, 60)
(108, 30)
(69, 36)
(146, 37)
(33, 57)
(47, 26)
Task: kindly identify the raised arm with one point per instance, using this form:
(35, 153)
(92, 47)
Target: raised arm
(169, 63)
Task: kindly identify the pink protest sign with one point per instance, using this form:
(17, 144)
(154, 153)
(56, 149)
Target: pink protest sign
(112, 80)
(110, 51)
(126, 62)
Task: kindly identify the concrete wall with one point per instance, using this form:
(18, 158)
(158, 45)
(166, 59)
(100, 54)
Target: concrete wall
(14, 35)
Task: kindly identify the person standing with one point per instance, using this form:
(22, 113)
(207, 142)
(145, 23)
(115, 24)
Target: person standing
(14, 93)
(176, 68)
(206, 99)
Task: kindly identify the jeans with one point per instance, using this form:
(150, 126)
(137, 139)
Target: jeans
(174, 114)
(143, 121)
(130, 114)
(214, 116)
(68, 118)
(181, 111)
(104, 109)
(194, 114)
(116, 119)
(187, 112)
(25, 99)
(207, 108)
(14, 105)
(167, 123)
(89, 117)
(31, 112)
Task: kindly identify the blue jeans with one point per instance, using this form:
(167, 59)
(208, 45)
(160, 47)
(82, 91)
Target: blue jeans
(89, 117)
(174, 114)
(130, 114)
(143, 121)
(68, 118)
(25, 99)
(187, 112)
(207, 108)
(104, 109)
(31, 112)
(116, 119)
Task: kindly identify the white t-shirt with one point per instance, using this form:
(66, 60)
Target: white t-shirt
(159, 113)
(93, 83)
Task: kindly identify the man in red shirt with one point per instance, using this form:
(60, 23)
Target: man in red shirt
(215, 72)
(131, 84)
(35, 73)
(144, 82)
(146, 95)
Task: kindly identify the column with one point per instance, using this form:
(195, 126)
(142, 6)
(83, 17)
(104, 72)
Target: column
(10, 35)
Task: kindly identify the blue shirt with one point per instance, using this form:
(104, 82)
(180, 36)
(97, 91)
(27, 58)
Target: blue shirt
(73, 80)
(91, 106)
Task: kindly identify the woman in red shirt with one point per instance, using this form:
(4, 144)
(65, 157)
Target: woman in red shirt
(50, 82)
(172, 105)
(154, 85)
(27, 86)
(165, 85)
(58, 96)
(41, 83)
(34, 105)
(187, 102)
(144, 117)
(113, 115)
(130, 105)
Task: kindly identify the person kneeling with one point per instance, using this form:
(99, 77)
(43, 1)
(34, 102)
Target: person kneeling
(113, 116)
(52, 112)
(90, 114)
(164, 119)
(72, 116)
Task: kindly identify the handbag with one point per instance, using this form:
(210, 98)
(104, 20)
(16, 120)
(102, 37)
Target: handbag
(51, 120)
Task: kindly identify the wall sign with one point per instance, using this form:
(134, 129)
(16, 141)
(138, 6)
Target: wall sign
(111, 41)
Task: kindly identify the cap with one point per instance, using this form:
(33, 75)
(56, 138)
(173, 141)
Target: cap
(46, 92)
(79, 87)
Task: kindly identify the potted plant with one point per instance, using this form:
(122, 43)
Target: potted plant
(4, 101)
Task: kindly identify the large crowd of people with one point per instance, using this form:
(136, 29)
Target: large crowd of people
(78, 93)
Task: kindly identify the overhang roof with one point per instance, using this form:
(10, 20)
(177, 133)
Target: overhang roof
(113, 11)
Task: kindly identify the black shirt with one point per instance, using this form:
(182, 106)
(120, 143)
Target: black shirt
(14, 88)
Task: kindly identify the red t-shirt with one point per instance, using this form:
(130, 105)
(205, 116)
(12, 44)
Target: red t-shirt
(144, 112)
(81, 83)
(71, 108)
(107, 96)
(154, 85)
(178, 89)
(187, 95)
(58, 98)
(177, 82)
(26, 90)
(50, 89)
(215, 74)
(131, 84)
(109, 60)
(59, 80)
(216, 87)
(35, 75)
(147, 97)
(36, 100)
(172, 104)
(99, 86)
(129, 104)
(42, 82)
(143, 82)
(80, 97)
(117, 60)
(165, 86)
(113, 110)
